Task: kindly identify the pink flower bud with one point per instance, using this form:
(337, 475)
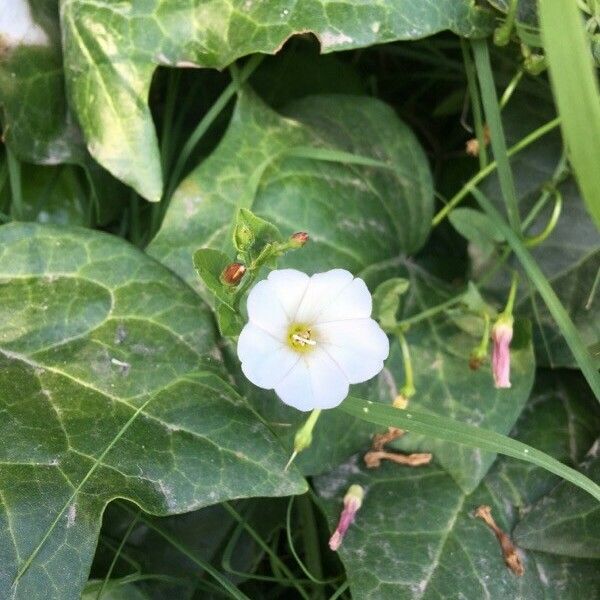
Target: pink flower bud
(502, 333)
(352, 502)
(299, 239)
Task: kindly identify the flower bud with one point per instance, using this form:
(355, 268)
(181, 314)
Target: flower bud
(232, 274)
(298, 239)
(243, 237)
(476, 358)
(502, 333)
(352, 502)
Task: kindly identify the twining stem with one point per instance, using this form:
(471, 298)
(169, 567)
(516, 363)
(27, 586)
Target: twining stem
(408, 389)
(492, 113)
(483, 173)
(430, 312)
(536, 240)
(276, 560)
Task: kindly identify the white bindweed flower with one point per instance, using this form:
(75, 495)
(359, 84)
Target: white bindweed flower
(308, 338)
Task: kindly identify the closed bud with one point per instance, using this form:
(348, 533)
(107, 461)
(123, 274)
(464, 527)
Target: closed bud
(299, 239)
(352, 502)
(233, 273)
(502, 333)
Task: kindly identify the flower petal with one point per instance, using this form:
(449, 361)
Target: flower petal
(323, 288)
(265, 309)
(316, 381)
(289, 285)
(353, 302)
(358, 346)
(265, 360)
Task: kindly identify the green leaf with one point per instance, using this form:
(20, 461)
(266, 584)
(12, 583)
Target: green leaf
(445, 385)
(567, 520)
(117, 590)
(210, 264)
(380, 213)
(476, 227)
(569, 257)
(36, 119)
(229, 321)
(136, 38)
(571, 68)
(415, 536)
(251, 233)
(386, 301)
(38, 124)
(110, 387)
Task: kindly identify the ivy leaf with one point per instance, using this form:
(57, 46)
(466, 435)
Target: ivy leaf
(135, 38)
(415, 536)
(379, 213)
(565, 522)
(110, 387)
(476, 227)
(446, 386)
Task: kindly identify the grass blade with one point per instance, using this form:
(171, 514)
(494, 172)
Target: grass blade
(448, 430)
(576, 92)
(498, 141)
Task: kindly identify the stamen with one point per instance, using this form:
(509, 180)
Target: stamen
(303, 340)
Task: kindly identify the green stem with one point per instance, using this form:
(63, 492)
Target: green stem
(483, 173)
(512, 294)
(475, 103)
(408, 389)
(208, 120)
(430, 312)
(492, 113)
(536, 240)
(510, 88)
(14, 177)
(273, 555)
(502, 34)
(204, 565)
(117, 554)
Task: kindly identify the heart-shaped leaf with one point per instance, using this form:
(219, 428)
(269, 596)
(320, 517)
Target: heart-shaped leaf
(117, 64)
(110, 386)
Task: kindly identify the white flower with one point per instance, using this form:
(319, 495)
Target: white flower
(308, 338)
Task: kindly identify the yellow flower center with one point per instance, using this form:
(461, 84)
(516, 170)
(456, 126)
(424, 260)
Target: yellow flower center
(301, 337)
